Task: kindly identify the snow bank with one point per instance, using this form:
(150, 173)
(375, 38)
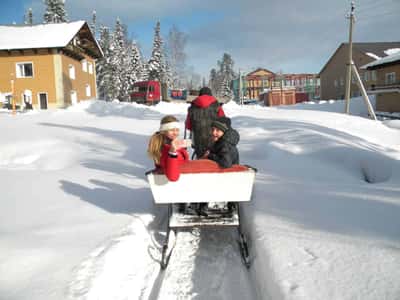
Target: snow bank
(76, 213)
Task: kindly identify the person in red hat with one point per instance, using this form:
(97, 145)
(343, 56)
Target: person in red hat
(202, 111)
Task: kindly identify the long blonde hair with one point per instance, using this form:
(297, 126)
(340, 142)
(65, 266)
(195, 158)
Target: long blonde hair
(158, 139)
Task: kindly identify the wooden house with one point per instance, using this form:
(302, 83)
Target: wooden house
(387, 87)
(333, 74)
(258, 81)
(48, 65)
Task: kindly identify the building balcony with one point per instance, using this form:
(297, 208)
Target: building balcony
(384, 88)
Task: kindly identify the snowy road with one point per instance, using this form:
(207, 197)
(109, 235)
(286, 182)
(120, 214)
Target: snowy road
(204, 262)
(77, 219)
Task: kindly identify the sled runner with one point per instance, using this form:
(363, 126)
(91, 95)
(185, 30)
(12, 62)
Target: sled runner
(204, 195)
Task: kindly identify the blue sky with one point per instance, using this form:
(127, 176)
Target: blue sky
(288, 36)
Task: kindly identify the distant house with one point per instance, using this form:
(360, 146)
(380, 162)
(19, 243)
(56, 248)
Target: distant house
(48, 65)
(257, 81)
(333, 73)
(307, 86)
(257, 84)
(387, 86)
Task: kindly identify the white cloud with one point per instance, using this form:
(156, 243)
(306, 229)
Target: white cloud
(290, 36)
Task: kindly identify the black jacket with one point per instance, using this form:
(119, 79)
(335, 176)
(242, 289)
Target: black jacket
(224, 151)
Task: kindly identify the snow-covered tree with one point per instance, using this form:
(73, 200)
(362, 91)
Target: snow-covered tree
(55, 11)
(93, 23)
(175, 51)
(118, 59)
(155, 64)
(135, 61)
(144, 74)
(28, 17)
(103, 66)
(213, 81)
(226, 74)
(125, 63)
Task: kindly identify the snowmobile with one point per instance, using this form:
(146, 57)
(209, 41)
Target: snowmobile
(203, 184)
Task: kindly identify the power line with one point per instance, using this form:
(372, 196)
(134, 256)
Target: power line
(374, 16)
(381, 7)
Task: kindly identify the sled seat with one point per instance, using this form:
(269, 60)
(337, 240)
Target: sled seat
(203, 181)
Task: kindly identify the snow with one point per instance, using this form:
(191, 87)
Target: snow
(395, 56)
(77, 218)
(373, 55)
(38, 36)
(392, 51)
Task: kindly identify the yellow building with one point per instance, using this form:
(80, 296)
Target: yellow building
(48, 65)
(257, 81)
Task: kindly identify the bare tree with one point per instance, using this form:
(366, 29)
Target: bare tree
(176, 43)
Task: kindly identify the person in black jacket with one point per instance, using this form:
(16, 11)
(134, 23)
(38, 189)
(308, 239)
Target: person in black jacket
(223, 151)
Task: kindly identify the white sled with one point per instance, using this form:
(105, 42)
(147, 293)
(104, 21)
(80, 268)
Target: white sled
(216, 185)
(203, 187)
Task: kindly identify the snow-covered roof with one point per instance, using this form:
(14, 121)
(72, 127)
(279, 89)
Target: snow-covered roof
(373, 55)
(384, 60)
(392, 51)
(38, 36)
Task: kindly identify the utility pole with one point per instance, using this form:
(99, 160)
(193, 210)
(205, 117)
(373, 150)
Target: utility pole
(350, 59)
(12, 97)
(351, 67)
(240, 88)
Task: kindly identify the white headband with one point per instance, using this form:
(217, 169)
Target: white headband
(168, 126)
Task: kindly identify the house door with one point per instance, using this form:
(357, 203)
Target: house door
(43, 100)
(74, 97)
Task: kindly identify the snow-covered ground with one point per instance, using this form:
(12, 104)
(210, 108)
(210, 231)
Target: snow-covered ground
(77, 219)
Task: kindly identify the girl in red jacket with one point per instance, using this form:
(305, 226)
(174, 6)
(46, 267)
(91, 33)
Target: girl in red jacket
(166, 150)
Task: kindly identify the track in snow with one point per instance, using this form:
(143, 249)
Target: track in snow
(205, 264)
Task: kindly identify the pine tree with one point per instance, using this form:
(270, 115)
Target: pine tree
(29, 17)
(55, 11)
(213, 82)
(155, 65)
(135, 61)
(144, 74)
(103, 66)
(93, 23)
(226, 75)
(118, 56)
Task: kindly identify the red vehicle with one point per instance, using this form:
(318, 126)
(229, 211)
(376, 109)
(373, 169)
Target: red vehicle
(148, 92)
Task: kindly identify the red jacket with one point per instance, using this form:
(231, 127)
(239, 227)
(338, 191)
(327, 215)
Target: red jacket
(203, 101)
(170, 165)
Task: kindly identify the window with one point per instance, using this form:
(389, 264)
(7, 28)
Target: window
(24, 69)
(335, 83)
(390, 78)
(84, 65)
(373, 75)
(90, 65)
(71, 69)
(366, 76)
(88, 91)
(341, 81)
